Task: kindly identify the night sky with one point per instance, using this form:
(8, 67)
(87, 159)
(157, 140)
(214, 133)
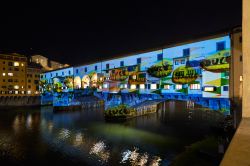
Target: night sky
(78, 33)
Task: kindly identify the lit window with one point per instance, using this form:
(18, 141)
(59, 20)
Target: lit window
(153, 86)
(209, 89)
(4, 74)
(16, 87)
(134, 77)
(178, 86)
(10, 74)
(16, 63)
(142, 86)
(132, 86)
(29, 92)
(166, 86)
(195, 86)
(22, 64)
(105, 85)
(16, 92)
(123, 86)
(22, 92)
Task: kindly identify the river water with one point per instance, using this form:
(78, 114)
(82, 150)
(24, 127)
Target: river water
(37, 136)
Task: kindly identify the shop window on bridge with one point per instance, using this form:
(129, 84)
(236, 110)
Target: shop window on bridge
(195, 86)
(153, 86)
(76, 71)
(95, 68)
(133, 86)
(105, 85)
(142, 86)
(178, 86)
(166, 87)
(85, 69)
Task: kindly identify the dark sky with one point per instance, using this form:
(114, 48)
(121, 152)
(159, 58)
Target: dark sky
(77, 33)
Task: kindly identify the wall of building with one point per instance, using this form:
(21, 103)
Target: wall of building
(13, 69)
(246, 56)
(193, 71)
(33, 78)
(236, 67)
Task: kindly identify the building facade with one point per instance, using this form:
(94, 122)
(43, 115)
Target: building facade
(18, 77)
(13, 71)
(46, 63)
(33, 78)
(197, 71)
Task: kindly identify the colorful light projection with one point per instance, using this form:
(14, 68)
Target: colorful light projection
(181, 72)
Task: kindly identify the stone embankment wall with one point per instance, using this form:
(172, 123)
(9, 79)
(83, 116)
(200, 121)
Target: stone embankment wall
(20, 100)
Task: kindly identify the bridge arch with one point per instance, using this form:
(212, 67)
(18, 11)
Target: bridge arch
(77, 82)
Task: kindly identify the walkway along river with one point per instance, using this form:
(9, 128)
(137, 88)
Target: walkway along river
(39, 136)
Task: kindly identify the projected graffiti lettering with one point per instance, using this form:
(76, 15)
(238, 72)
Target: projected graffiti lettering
(183, 75)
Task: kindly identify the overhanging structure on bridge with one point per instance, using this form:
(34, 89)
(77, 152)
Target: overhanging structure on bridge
(199, 71)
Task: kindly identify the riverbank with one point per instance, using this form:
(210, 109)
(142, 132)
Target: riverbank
(20, 101)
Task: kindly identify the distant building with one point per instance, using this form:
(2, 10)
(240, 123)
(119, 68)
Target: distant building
(33, 76)
(13, 74)
(46, 63)
(207, 71)
(18, 76)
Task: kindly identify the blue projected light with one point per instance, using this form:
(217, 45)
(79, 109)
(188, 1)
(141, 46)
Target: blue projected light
(197, 71)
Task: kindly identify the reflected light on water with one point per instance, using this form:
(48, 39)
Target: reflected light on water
(156, 161)
(18, 122)
(134, 155)
(78, 139)
(125, 156)
(50, 126)
(29, 122)
(64, 134)
(143, 159)
(98, 149)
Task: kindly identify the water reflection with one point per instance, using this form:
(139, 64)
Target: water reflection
(153, 139)
(99, 149)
